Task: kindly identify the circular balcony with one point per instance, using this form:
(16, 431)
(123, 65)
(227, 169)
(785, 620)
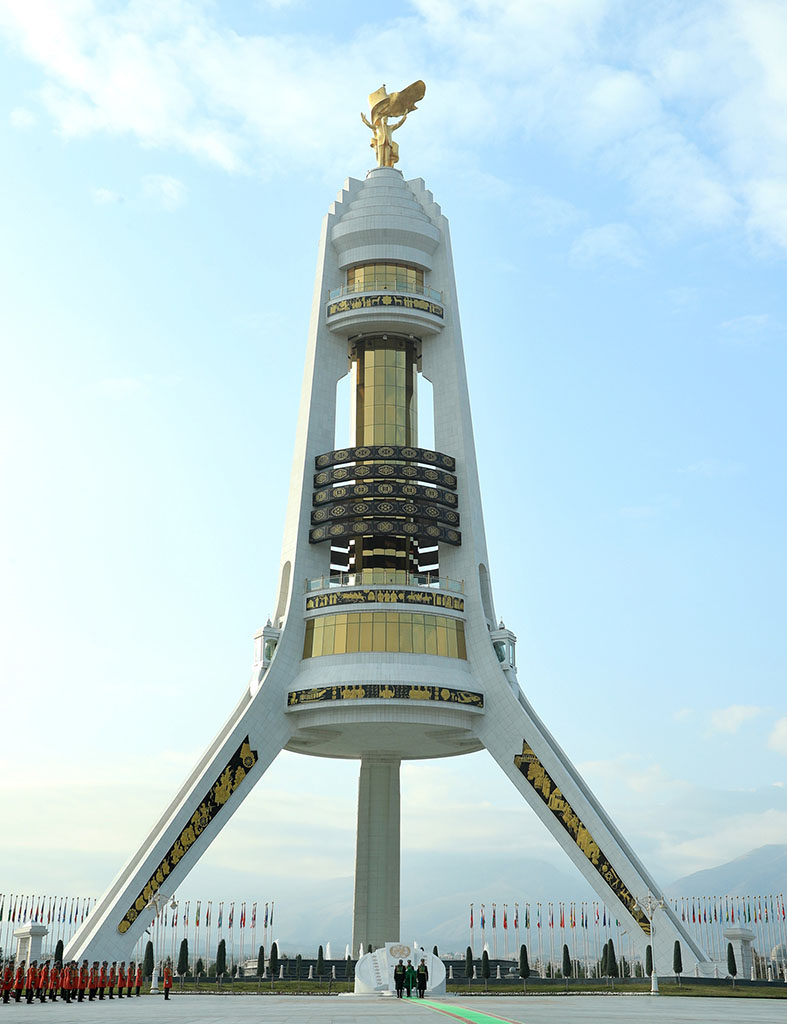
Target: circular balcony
(398, 309)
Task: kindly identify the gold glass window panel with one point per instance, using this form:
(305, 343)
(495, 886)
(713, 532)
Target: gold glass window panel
(406, 633)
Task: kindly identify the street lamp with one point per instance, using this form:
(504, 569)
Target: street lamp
(156, 903)
(649, 906)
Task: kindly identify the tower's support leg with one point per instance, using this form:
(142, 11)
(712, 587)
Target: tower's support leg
(376, 904)
(244, 748)
(531, 757)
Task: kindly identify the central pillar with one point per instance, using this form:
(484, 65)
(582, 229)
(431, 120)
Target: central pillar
(376, 902)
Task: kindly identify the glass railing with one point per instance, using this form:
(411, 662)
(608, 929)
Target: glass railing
(383, 286)
(386, 578)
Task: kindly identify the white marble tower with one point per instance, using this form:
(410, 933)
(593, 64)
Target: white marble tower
(384, 645)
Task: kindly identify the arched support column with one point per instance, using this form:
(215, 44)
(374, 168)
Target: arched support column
(376, 902)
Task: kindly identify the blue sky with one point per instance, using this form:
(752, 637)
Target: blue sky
(616, 179)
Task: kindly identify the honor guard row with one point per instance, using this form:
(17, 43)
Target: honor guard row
(71, 981)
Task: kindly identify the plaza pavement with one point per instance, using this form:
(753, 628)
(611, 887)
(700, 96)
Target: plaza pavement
(199, 1009)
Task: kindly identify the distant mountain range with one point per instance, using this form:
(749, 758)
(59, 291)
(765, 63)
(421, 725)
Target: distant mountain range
(758, 872)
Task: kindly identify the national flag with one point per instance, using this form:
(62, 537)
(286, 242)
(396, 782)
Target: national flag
(175, 916)
(505, 917)
(254, 915)
(538, 915)
(2, 907)
(207, 913)
(196, 915)
(551, 916)
(243, 915)
(186, 914)
(527, 916)
(471, 915)
(483, 917)
(562, 916)
(232, 916)
(604, 922)
(494, 915)
(265, 922)
(272, 905)
(221, 913)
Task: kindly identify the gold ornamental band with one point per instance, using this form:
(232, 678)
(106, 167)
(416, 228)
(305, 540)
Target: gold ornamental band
(219, 793)
(385, 691)
(385, 301)
(363, 596)
(538, 777)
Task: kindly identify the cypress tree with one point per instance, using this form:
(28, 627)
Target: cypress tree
(434, 950)
(183, 958)
(612, 963)
(485, 969)
(273, 961)
(732, 967)
(677, 961)
(648, 961)
(566, 964)
(59, 952)
(348, 968)
(524, 966)
(221, 959)
(298, 966)
(200, 967)
(604, 968)
(320, 964)
(469, 965)
(148, 962)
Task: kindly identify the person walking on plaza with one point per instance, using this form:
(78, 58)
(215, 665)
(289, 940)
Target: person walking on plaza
(54, 981)
(409, 978)
(66, 982)
(167, 981)
(31, 981)
(19, 981)
(422, 977)
(399, 978)
(8, 981)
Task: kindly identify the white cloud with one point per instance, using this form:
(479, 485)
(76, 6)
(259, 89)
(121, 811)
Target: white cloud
(610, 243)
(729, 720)
(168, 192)
(21, 117)
(778, 738)
(751, 323)
(712, 469)
(105, 196)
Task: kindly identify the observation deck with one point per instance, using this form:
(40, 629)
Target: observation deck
(408, 310)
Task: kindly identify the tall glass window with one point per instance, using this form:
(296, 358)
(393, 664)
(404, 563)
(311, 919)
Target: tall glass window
(385, 277)
(399, 632)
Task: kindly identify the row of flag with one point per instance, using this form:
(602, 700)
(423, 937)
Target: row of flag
(690, 909)
(51, 910)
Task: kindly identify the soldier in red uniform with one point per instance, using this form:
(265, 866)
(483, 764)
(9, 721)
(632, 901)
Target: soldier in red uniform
(31, 981)
(66, 982)
(43, 982)
(82, 982)
(8, 981)
(167, 981)
(130, 978)
(102, 980)
(19, 981)
(121, 978)
(54, 981)
(138, 978)
(112, 978)
(92, 981)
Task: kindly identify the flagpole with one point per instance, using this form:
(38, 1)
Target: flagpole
(472, 943)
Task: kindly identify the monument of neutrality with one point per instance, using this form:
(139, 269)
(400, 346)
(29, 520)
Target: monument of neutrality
(384, 645)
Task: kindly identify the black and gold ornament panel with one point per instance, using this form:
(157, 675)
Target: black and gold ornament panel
(385, 301)
(385, 471)
(375, 527)
(401, 453)
(384, 691)
(544, 786)
(422, 511)
(385, 489)
(384, 595)
(232, 775)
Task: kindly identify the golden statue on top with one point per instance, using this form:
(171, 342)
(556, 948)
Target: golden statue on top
(383, 105)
